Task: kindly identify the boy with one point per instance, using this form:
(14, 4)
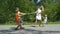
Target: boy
(18, 19)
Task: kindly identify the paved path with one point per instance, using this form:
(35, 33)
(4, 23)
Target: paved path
(47, 29)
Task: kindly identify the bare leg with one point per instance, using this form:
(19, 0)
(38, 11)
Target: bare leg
(41, 23)
(21, 26)
(35, 22)
(17, 27)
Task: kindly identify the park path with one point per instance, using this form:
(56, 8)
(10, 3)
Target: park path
(47, 29)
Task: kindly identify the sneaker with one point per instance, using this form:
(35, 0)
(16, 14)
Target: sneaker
(21, 27)
(16, 29)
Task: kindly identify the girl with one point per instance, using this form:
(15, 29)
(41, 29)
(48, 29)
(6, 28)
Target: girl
(38, 16)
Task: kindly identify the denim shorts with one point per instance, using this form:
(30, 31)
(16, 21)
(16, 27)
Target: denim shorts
(20, 20)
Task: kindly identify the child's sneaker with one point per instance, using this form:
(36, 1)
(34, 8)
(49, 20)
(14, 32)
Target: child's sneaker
(21, 27)
(16, 29)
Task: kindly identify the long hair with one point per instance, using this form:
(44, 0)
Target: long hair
(42, 8)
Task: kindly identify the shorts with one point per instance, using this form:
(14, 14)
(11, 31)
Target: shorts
(20, 20)
(38, 17)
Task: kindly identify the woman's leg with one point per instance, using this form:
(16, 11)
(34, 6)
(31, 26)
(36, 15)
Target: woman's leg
(35, 23)
(41, 23)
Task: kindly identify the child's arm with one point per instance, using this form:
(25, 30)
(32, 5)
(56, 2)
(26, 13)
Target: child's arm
(22, 14)
(36, 12)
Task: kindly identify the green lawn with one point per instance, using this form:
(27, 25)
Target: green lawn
(57, 22)
(29, 23)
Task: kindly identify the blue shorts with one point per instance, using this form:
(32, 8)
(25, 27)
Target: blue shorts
(20, 20)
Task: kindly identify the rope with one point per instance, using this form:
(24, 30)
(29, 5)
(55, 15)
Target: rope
(29, 13)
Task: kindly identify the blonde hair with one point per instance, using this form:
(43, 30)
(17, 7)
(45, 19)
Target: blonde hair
(42, 7)
(16, 9)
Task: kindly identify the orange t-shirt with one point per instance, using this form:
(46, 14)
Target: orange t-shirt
(16, 17)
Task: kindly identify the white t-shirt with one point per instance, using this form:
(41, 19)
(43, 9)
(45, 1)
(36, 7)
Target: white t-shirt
(38, 15)
(18, 12)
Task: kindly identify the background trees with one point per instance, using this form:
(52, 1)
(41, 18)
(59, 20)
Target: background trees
(7, 7)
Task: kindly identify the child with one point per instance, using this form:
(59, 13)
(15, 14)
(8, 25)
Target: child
(45, 19)
(18, 19)
(38, 16)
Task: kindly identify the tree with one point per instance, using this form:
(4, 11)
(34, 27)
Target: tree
(7, 8)
(51, 9)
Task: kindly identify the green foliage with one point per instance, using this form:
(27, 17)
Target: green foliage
(51, 9)
(7, 8)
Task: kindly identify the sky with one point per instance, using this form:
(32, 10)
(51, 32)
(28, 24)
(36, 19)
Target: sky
(38, 1)
(54, 0)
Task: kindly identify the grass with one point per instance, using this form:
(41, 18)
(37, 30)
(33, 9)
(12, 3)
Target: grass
(57, 22)
(29, 23)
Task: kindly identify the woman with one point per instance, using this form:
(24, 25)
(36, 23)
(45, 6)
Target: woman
(38, 16)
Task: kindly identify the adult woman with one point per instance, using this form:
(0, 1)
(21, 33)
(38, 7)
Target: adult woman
(38, 16)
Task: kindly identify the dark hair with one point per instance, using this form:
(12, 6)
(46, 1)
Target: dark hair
(41, 8)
